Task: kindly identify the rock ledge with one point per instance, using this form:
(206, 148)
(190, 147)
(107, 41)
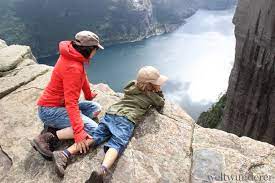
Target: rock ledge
(165, 148)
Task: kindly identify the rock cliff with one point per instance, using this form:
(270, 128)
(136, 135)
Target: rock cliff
(250, 106)
(167, 147)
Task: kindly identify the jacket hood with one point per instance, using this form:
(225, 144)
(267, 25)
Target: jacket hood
(132, 88)
(67, 50)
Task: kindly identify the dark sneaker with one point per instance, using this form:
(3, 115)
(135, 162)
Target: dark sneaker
(60, 163)
(101, 175)
(42, 144)
(95, 178)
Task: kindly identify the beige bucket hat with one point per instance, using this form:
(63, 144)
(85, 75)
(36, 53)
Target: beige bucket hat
(149, 74)
(87, 38)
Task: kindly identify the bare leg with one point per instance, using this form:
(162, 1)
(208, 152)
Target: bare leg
(73, 150)
(65, 134)
(110, 157)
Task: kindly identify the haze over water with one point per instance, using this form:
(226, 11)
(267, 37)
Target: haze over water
(197, 58)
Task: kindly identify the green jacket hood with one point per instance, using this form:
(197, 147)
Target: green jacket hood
(131, 88)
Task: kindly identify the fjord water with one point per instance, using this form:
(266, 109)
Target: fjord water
(197, 58)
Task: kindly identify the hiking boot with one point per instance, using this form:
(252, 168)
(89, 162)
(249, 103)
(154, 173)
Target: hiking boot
(60, 163)
(95, 178)
(54, 144)
(48, 129)
(42, 144)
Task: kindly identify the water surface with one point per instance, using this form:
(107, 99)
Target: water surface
(197, 58)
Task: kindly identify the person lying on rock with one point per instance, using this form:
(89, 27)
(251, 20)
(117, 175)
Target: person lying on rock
(118, 123)
(58, 107)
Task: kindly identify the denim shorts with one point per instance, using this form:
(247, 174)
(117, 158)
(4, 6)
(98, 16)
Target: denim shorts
(117, 130)
(57, 117)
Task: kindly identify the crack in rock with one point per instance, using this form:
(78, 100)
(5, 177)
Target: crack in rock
(10, 90)
(5, 163)
(191, 152)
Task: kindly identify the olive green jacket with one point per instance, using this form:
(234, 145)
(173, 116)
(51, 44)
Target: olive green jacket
(136, 103)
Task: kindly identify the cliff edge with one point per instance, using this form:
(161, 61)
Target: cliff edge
(164, 148)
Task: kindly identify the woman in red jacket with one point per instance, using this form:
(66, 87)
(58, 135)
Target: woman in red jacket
(58, 107)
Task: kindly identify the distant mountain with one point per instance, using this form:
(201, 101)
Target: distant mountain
(216, 4)
(43, 23)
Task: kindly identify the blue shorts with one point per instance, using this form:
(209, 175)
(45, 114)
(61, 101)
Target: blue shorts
(57, 117)
(116, 129)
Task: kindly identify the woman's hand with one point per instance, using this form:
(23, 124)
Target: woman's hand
(93, 95)
(82, 146)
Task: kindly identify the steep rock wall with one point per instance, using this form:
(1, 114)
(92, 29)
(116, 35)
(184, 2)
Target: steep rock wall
(250, 106)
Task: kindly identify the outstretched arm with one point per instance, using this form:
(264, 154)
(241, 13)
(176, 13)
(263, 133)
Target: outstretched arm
(72, 88)
(158, 100)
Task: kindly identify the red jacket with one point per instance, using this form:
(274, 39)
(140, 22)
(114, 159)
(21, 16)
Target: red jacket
(67, 80)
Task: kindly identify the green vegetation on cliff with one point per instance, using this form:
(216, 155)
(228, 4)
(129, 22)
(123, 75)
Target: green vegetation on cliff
(213, 117)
